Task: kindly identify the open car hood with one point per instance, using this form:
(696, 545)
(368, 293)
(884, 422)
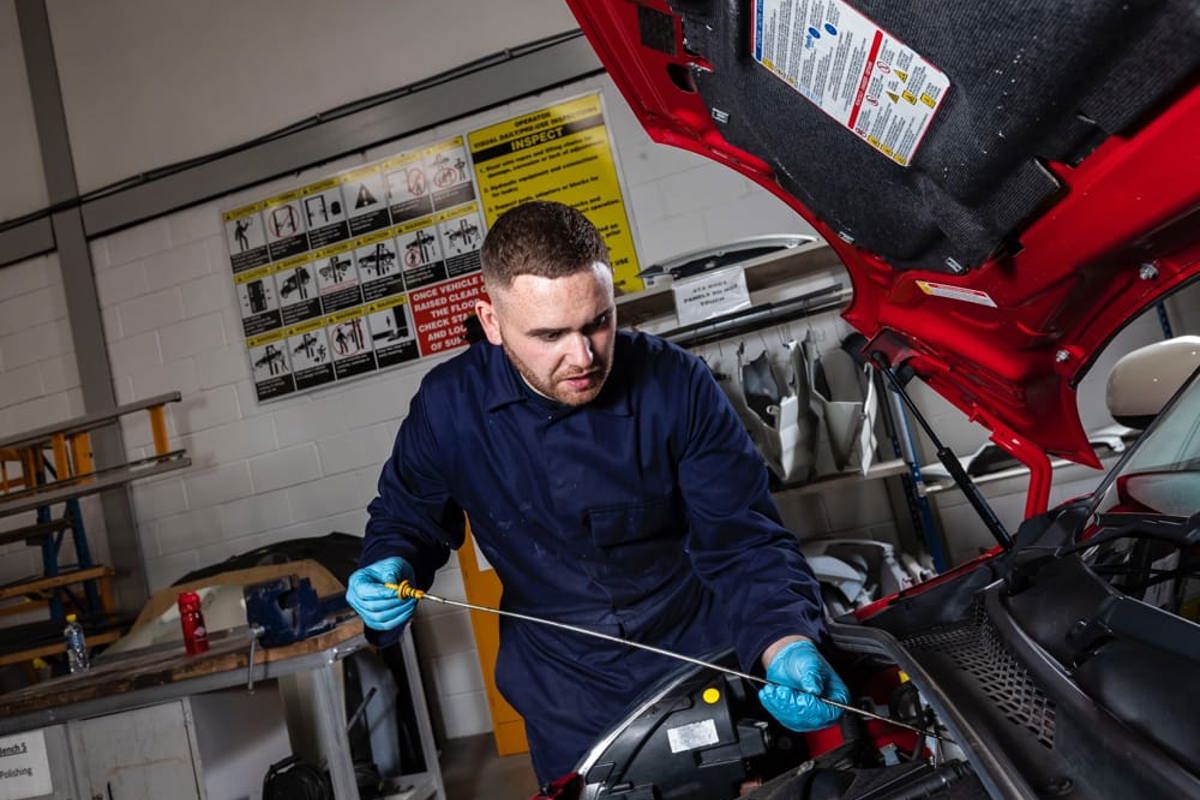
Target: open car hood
(1042, 191)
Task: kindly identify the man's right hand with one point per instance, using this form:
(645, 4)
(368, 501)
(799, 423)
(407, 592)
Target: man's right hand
(379, 606)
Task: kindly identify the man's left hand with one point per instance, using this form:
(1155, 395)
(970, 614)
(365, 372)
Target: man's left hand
(799, 675)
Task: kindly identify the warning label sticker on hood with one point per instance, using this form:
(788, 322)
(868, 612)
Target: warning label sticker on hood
(976, 296)
(855, 71)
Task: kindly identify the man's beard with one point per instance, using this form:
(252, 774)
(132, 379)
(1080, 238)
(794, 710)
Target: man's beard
(557, 390)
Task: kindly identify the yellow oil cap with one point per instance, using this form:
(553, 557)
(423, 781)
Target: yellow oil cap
(711, 695)
(71, 617)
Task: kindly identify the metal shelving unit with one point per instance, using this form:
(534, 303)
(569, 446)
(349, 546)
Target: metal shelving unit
(766, 272)
(46, 471)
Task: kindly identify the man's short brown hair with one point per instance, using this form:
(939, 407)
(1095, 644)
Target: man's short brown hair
(550, 240)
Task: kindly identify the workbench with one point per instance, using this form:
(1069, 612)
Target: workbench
(165, 674)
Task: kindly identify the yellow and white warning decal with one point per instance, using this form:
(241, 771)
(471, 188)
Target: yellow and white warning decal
(979, 298)
(386, 303)
(244, 211)
(853, 70)
(308, 326)
(455, 213)
(561, 152)
(267, 338)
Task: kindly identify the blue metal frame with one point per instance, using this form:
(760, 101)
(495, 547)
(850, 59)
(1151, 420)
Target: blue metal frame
(52, 549)
(912, 486)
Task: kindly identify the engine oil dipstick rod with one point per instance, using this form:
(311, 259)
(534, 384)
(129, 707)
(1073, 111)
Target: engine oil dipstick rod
(407, 591)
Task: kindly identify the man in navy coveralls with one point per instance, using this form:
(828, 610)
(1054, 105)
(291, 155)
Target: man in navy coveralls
(611, 485)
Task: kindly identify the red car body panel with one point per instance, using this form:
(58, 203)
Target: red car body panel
(1123, 232)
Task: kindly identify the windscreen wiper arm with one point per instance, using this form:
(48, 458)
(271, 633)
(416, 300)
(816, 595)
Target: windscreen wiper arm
(1180, 531)
(1121, 617)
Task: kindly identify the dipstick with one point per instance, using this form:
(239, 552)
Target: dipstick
(406, 591)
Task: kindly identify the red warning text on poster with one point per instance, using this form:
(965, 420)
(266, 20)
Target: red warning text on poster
(438, 312)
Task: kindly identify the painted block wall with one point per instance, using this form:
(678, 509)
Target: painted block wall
(39, 385)
(24, 187)
(147, 83)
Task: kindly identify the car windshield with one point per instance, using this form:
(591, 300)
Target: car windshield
(1162, 474)
(1158, 480)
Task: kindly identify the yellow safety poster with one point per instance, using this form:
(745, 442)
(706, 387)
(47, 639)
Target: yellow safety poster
(562, 153)
(323, 272)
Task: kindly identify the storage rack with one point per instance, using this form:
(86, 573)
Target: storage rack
(771, 270)
(47, 470)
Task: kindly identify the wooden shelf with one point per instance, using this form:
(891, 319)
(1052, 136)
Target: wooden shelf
(58, 648)
(84, 423)
(36, 585)
(32, 534)
(95, 482)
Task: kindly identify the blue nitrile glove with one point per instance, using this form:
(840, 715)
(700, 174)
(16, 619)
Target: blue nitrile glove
(378, 605)
(801, 666)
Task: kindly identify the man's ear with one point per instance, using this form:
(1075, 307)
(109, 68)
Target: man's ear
(487, 318)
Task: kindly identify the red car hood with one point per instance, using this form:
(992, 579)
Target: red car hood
(1052, 195)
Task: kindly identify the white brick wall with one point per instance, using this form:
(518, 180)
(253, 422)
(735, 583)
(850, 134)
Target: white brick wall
(290, 467)
(211, 487)
(39, 385)
(151, 312)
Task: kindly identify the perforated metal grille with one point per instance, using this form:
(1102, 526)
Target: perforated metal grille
(976, 648)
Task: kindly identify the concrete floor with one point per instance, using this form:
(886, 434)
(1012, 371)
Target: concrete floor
(471, 770)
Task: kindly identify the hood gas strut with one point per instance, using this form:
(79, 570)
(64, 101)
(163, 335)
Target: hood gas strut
(948, 459)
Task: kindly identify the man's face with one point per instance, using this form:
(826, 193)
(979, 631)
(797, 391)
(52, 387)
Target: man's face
(558, 332)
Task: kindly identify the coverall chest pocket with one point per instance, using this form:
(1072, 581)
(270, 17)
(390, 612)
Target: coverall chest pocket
(639, 535)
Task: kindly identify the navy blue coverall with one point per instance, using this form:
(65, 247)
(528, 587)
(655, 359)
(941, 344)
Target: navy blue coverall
(644, 514)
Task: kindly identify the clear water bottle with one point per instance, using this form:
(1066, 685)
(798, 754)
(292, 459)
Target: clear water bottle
(77, 651)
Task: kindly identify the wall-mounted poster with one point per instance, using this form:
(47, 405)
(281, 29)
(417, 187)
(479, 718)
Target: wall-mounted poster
(379, 265)
(312, 362)
(392, 331)
(245, 237)
(366, 198)
(564, 153)
(269, 365)
(324, 213)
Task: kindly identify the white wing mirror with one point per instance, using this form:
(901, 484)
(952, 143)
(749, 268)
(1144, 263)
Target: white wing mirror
(1142, 381)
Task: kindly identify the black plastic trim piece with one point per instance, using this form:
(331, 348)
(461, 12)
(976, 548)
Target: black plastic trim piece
(995, 770)
(1116, 742)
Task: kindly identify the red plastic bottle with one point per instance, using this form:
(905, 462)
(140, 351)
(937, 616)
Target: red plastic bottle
(195, 635)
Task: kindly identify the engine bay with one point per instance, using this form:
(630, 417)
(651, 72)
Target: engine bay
(705, 737)
(1024, 699)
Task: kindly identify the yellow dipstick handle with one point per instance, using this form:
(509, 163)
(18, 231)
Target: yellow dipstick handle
(406, 590)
